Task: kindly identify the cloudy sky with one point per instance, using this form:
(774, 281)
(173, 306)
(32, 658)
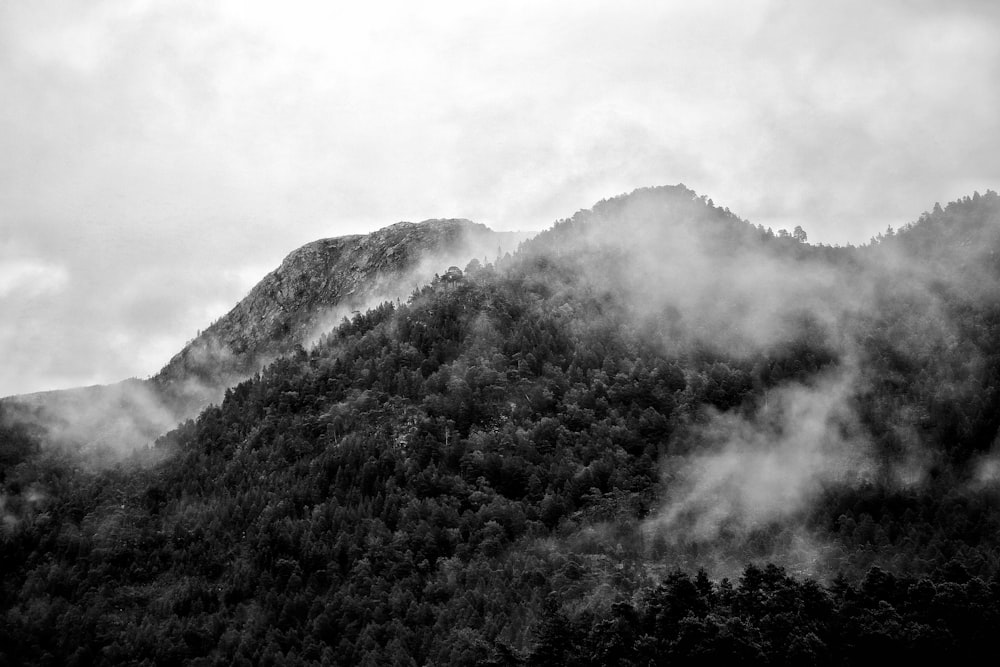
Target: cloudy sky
(158, 158)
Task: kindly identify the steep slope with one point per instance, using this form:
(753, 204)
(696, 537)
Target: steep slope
(312, 290)
(529, 465)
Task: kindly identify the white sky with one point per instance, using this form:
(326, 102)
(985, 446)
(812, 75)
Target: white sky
(158, 158)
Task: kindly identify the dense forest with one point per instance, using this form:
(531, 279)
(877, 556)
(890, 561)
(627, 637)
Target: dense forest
(655, 433)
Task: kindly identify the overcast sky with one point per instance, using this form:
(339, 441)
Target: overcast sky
(158, 158)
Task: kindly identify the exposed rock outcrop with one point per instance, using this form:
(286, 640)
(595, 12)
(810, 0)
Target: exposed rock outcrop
(312, 290)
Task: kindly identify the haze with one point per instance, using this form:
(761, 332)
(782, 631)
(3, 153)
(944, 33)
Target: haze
(157, 160)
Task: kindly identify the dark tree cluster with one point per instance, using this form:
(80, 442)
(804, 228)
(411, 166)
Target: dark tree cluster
(770, 618)
(463, 479)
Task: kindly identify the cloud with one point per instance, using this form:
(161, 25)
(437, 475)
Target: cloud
(191, 140)
(746, 489)
(755, 471)
(29, 278)
(68, 328)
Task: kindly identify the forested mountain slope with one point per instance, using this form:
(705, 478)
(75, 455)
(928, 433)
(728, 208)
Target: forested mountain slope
(655, 432)
(314, 288)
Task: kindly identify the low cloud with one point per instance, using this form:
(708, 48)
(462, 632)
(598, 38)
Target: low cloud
(100, 422)
(749, 472)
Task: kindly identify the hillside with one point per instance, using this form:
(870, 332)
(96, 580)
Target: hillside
(655, 432)
(314, 288)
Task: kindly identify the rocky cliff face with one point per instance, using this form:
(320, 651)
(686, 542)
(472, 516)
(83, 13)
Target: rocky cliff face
(313, 289)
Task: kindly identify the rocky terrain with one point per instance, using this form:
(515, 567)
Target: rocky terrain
(313, 289)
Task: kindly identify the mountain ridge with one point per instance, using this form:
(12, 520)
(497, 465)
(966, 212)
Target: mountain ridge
(318, 284)
(314, 287)
(587, 453)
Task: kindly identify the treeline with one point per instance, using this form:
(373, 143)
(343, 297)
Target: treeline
(770, 618)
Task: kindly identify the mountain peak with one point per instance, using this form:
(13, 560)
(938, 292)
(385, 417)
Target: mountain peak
(315, 287)
(310, 292)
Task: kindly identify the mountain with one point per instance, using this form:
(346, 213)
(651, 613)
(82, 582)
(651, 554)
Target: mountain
(654, 433)
(106, 422)
(312, 290)
(315, 287)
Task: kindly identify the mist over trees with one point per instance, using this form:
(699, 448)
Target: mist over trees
(314, 288)
(655, 432)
